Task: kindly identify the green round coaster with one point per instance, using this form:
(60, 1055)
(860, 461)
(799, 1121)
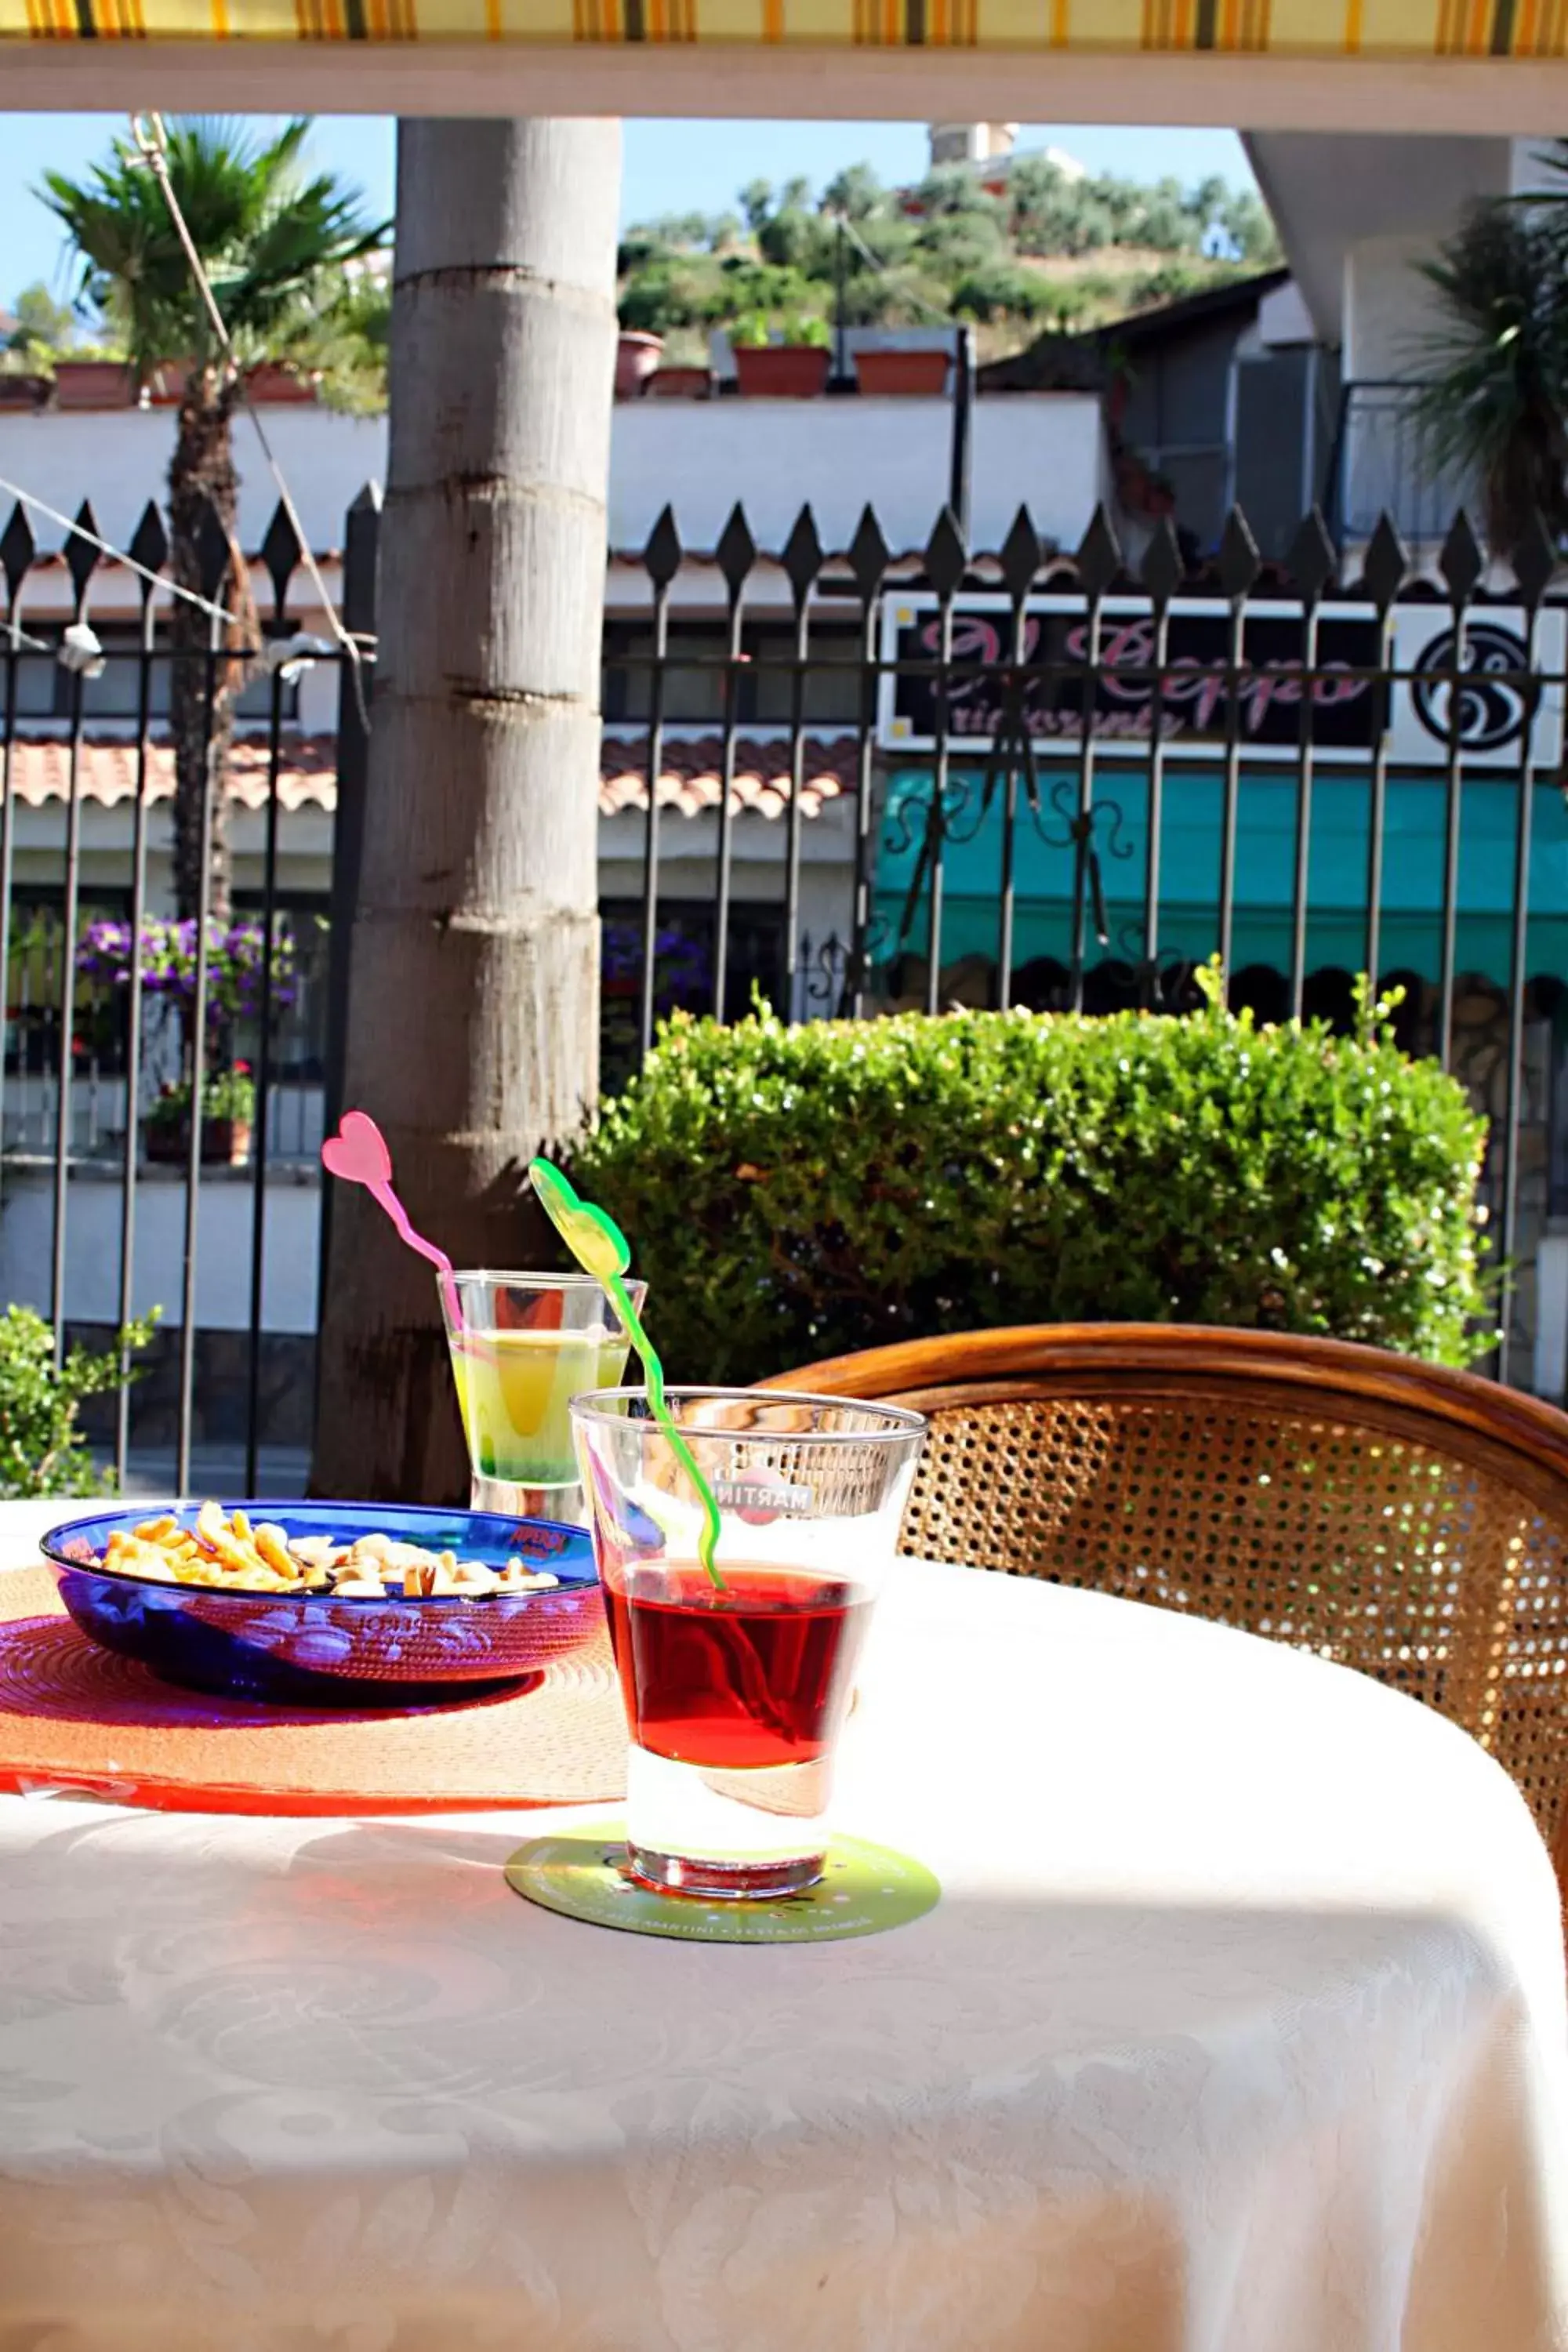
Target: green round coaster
(865, 1889)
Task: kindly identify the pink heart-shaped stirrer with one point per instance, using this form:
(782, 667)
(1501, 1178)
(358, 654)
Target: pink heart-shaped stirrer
(358, 1154)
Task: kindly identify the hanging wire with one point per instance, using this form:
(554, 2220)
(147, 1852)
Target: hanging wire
(15, 638)
(152, 142)
(117, 555)
(287, 654)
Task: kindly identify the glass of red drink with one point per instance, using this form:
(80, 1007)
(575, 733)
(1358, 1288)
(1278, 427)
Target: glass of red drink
(736, 1690)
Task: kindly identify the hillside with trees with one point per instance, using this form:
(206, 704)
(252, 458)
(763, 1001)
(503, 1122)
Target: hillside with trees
(1057, 250)
(40, 330)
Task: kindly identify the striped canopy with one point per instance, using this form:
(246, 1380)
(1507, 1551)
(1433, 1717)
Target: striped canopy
(1284, 29)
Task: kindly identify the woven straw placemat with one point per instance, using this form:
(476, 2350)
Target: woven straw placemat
(75, 1716)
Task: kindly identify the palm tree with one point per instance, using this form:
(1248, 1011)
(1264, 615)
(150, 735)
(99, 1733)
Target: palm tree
(275, 245)
(1496, 397)
(473, 995)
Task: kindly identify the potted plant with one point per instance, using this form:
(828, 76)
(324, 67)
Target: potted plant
(166, 957)
(678, 383)
(228, 1109)
(273, 382)
(793, 368)
(682, 967)
(637, 356)
(94, 384)
(883, 370)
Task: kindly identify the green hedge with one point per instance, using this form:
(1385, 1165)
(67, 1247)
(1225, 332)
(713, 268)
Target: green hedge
(793, 1193)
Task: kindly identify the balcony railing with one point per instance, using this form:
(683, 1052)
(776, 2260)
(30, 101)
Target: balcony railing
(1382, 462)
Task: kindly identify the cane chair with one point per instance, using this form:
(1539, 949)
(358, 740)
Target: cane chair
(1406, 1521)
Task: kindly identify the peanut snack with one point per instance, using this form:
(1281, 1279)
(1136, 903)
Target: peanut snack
(235, 1557)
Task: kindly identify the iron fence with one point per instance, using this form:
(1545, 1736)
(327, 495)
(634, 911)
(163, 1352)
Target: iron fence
(110, 1011)
(850, 781)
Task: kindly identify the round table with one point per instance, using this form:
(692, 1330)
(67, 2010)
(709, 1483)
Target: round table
(1239, 2026)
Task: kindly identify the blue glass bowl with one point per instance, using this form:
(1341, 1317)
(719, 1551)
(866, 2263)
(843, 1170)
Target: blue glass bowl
(311, 1649)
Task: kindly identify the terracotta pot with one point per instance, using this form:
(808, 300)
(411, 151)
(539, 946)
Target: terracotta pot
(226, 1142)
(275, 385)
(679, 383)
(782, 371)
(637, 356)
(911, 374)
(93, 383)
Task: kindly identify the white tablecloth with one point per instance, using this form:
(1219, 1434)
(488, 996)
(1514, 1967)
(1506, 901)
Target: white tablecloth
(1239, 2028)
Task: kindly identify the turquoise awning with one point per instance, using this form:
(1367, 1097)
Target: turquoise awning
(1190, 846)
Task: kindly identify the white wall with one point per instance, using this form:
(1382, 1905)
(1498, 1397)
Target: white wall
(304, 837)
(1357, 214)
(1390, 310)
(1354, 211)
(1332, 191)
(1283, 320)
(1530, 169)
(1392, 318)
(119, 458)
(699, 456)
(777, 455)
(223, 1246)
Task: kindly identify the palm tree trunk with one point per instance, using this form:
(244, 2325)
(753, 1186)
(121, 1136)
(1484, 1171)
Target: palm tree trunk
(201, 478)
(473, 1016)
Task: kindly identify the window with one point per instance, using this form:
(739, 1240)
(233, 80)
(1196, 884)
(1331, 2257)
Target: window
(834, 684)
(299, 1046)
(693, 687)
(36, 969)
(34, 688)
(34, 977)
(683, 968)
(696, 666)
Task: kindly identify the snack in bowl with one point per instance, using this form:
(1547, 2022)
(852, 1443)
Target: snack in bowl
(387, 1604)
(227, 1551)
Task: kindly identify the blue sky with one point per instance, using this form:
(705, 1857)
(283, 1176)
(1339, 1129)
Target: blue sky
(669, 166)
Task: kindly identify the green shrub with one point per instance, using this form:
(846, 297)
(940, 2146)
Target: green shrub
(1000, 290)
(793, 1193)
(41, 1450)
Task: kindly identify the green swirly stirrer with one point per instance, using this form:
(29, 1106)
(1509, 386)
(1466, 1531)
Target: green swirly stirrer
(602, 1250)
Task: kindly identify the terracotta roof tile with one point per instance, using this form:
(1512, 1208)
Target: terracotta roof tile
(689, 780)
(691, 775)
(40, 770)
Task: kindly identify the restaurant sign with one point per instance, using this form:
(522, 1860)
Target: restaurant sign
(1506, 698)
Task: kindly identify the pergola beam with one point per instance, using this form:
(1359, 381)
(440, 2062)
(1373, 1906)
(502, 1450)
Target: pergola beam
(1491, 97)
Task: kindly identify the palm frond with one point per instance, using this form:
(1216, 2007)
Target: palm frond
(1495, 364)
(268, 237)
(344, 343)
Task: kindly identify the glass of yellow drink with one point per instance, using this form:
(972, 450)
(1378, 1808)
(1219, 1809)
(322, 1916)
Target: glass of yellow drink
(525, 1346)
